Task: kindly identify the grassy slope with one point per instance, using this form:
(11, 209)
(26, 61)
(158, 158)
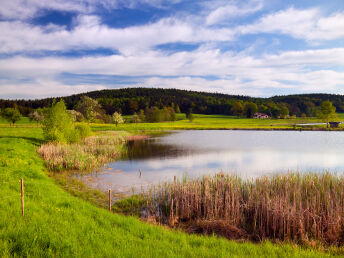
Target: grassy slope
(58, 224)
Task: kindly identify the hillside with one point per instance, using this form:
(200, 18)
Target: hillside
(130, 100)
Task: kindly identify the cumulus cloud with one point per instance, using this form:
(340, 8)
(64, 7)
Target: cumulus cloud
(89, 33)
(234, 73)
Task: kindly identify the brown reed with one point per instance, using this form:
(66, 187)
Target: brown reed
(90, 154)
(293, 206)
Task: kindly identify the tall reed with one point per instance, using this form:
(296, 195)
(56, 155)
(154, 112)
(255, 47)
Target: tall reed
(90, 154)
(300, 207)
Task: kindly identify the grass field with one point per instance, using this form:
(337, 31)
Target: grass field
(59, 224)
(216, 122)
(200, 122)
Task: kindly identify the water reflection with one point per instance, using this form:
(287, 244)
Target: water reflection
(246, 153)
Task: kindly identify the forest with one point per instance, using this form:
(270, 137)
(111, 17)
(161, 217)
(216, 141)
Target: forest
(128, 101)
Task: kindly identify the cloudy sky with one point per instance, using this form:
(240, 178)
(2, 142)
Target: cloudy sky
(254, 47)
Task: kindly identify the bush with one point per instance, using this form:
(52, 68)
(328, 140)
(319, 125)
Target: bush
(58, 124)
(83, 130)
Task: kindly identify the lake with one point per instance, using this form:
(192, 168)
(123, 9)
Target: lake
(201, 152)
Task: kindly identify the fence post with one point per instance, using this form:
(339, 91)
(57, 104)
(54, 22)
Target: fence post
(22, 195)
(109, 199)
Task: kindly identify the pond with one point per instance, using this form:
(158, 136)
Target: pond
(202, 152)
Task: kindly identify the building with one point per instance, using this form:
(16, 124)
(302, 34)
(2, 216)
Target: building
(260, 116)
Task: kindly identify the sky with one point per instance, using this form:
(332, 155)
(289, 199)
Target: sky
(257, 48)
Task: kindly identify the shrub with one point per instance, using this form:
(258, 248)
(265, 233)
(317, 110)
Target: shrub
(58, 124)
(84, 130)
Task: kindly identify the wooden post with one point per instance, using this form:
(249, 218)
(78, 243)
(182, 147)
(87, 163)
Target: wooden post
(109, 199)
(140, 172)
(22, 195)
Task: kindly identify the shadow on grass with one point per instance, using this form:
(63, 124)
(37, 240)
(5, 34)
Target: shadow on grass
(34, 141)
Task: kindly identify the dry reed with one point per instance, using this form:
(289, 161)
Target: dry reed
(297, 207)
(90, 154)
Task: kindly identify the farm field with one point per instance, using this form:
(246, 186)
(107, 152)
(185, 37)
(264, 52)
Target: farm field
(59, 224)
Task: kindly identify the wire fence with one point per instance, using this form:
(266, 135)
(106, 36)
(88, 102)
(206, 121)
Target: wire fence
(26, 194)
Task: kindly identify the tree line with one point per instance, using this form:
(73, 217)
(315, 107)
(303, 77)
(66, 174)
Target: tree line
(133, 100)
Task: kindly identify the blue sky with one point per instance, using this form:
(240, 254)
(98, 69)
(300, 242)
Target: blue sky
(255, 47)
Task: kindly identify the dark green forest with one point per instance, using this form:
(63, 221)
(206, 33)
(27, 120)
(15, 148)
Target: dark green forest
(130, 100)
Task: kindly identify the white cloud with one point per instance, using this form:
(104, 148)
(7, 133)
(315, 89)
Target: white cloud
(303, 24)
(300, 71)
(236, 72)
(26, 9)
(230, 11)
(89, 33)
(43, 88)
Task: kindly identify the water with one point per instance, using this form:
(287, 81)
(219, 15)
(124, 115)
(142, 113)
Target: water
(245, 153)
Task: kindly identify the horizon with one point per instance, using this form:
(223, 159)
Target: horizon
(259, 49)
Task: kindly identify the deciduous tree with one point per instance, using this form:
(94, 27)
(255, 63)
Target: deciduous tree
(12, 115)
(327, 112)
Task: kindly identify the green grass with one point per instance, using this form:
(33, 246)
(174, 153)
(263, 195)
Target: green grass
(59, 224)
(215, 122)
(200, 122)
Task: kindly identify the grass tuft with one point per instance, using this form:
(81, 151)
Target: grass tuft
(90, 154)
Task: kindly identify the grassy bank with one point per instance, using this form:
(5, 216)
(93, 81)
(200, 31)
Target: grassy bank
(58, 224)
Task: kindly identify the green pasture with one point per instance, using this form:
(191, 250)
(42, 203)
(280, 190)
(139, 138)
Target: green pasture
(57, 224)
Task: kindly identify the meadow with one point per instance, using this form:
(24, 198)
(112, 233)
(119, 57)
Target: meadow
(58, 223)
(219, 122)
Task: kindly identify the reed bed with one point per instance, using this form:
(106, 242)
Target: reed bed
(297, 207)
(90, 154)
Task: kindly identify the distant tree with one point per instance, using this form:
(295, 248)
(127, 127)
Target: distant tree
(250, 109)
(76, 115)
(58, 124)
(311, 110)
(237, 109)
(37, 116)
(284, 111)
(142, 116)
(273, 109)
(117, 118)
(263, 109)
(327, 111)
(89, 108)
(12, 115)
(135, 118)
(189, 115)
(178, 109)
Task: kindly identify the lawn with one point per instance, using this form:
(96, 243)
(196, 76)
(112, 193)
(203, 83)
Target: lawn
(59, 224)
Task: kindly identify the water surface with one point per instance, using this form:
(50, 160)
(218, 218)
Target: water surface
(197, 152)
